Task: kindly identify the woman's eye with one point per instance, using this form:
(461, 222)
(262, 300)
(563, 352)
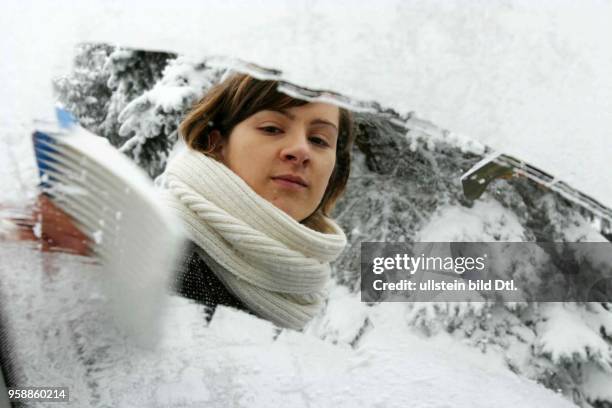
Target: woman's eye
(271, 129)
(319, 141)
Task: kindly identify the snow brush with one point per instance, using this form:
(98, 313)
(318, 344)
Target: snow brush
(113, 203)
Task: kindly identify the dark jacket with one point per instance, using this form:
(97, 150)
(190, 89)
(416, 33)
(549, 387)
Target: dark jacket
(195, 280)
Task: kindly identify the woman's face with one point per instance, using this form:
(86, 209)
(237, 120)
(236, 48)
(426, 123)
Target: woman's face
(286, 157)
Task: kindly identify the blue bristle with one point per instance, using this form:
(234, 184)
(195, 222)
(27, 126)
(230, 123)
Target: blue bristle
(65, 119)
(43, 143)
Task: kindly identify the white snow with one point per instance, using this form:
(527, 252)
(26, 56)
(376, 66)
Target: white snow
(98, 235)
(528, 78)
(66, 334)
(597, 384)
(486, 221)
(567, 336)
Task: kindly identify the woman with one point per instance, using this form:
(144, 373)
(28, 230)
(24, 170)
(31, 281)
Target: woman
(254, 190)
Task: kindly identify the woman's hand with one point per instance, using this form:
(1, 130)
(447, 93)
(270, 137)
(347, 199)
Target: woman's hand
(54, 229)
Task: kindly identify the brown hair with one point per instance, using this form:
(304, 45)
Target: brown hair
(240, 96)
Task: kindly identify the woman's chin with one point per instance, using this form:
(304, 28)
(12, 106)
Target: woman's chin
(289, 209)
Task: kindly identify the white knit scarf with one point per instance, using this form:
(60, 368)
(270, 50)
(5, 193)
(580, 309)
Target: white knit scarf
(276, 266)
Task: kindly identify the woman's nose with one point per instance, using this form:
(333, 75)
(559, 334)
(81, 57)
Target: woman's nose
(297, 150)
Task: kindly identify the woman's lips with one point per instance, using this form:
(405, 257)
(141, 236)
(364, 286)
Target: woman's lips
(291, 185)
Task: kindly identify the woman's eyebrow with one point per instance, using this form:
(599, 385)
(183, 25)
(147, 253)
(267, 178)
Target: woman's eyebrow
(317, 121)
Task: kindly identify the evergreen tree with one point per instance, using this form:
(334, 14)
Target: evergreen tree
(85, 91)
(130, 74)
(104, 80)
(417, 196)
(149, 123)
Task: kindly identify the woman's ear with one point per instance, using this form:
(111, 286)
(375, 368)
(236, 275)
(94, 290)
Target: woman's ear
(216, 144)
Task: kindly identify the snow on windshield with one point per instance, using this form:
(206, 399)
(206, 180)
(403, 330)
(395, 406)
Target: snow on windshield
(530, 80)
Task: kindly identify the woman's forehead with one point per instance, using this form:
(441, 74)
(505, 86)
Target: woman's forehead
(313, 111)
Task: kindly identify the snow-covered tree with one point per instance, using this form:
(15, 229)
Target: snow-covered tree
(85, 92)
(405, 186)
(131, 73)
(150, 121)
(134, 98)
